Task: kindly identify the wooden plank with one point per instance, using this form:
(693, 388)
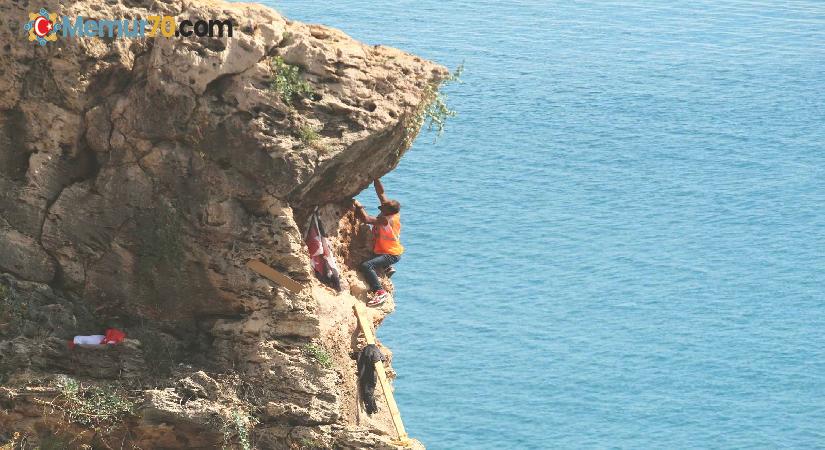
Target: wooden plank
(396, 414)
(275, 276)
(364, 321)
(366, 327)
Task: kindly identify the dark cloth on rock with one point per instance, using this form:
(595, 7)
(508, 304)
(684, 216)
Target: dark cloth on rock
(366, 376)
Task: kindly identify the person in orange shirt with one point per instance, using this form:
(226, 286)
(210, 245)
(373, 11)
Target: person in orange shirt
(386, 229)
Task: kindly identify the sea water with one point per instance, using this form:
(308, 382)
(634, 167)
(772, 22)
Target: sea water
(620, 240)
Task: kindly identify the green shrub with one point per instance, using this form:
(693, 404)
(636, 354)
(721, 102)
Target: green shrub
(239, 424)
(434, 111)
(310, 137)
(287, 81)
(320, 354)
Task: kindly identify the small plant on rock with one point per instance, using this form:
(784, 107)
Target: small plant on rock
(239, 424)
(320, 354)
(287, 81)
(308, 135)
(311, 138)
(308, 444)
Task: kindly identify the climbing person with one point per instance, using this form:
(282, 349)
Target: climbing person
(386, 229)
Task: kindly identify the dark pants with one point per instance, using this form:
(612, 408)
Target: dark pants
(381, 261)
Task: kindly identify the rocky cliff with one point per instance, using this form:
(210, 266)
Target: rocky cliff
(137, 179)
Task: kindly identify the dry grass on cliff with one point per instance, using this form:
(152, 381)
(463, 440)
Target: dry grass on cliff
(99, 408)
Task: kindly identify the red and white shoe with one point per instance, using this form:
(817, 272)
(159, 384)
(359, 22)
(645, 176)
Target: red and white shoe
(378, 298)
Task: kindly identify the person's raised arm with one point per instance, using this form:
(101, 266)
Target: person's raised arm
(361, 212)
(379, 189)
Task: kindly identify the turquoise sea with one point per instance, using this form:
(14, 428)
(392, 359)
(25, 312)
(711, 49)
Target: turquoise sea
(620, 240)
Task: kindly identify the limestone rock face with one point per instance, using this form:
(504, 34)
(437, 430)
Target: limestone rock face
(137, 179)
